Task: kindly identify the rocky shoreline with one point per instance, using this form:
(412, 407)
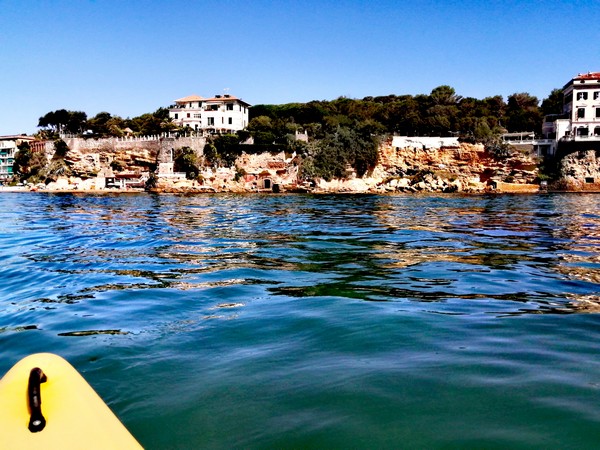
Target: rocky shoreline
(417, 167)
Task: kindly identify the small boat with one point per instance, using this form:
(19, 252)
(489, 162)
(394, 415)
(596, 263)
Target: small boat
(46, 404)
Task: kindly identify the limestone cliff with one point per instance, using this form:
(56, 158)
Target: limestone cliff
(579, 171)
(459, 167)
(87, 157)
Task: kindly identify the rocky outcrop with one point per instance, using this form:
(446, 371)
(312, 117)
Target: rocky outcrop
(579, 171)
(87, 157)
(425, 168)
(434, 166)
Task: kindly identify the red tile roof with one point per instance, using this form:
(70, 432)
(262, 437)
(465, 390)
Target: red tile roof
(223, 98)
(190, 98)
(588, 76)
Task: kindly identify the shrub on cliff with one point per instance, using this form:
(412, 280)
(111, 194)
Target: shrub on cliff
(331, 156)
(497, 148)
(22, 158)
(186, 161)
(60, 148)
(222, 151)
(28, 164)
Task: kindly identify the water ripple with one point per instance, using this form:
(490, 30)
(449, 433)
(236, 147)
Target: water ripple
(311, 317)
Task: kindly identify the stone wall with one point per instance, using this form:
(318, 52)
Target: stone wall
(168, 146)
(87, 157)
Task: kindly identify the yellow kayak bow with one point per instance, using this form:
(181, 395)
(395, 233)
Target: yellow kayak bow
(46, 403)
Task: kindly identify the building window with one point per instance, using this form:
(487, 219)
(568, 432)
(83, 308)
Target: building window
(188, 114)
(211, 121)
(176, 116)
(197, 116)
(580, 113)
(597, 113)
(589, 180)
(582, 96)
(229, 106)
(596, 95)
(230, 120)
(597, 131)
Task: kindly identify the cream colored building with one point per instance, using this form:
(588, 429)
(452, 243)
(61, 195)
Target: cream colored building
(218, 114)
(8, 149)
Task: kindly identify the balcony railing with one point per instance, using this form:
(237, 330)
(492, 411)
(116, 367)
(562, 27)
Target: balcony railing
(587, 137)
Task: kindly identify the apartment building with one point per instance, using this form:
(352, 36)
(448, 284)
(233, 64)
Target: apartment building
(8, 149)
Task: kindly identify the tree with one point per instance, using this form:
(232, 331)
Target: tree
(330, 157)
(186, 161)
(62, 120)
(523, 113)
(262, 130)
(554, 103)
(76, 122)
(444, 95)
(22, 158)
(60, 148)
(99, 123)
(152, 123)
(228, 148)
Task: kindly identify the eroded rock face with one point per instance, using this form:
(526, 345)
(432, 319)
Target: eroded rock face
(580, 171)
(86, 158)
(459, 168)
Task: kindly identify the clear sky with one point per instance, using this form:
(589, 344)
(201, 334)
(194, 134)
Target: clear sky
(129, 57)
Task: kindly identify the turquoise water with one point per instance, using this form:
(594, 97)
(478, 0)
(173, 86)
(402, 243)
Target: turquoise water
(226, 321)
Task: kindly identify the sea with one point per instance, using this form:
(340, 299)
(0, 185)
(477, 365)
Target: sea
(225, 321)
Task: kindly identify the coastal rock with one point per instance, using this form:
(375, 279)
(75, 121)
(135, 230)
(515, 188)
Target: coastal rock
(579, 171)
(456, 167)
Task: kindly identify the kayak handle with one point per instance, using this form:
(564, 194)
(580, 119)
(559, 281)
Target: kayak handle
(37, 422)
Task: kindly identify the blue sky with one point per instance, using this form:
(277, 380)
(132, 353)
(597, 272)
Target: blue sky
(131, 57)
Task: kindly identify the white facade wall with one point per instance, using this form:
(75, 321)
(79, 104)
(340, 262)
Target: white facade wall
(582, 104)
(424, 142)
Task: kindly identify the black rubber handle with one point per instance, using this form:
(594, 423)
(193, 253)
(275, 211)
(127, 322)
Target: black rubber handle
(37, 422)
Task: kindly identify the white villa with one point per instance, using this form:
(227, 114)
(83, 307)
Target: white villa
(219, 114)
(579, 125)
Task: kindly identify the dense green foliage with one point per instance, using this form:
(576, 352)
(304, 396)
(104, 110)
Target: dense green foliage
(339, 150)
(33, 167)
(22, 160)
(63, 121)
(344, 132)
(187, 161)
(60, 148)
(104, 124)
(441, 113)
